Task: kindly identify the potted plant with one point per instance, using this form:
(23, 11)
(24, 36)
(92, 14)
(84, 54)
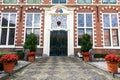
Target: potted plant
(112, 61)
(86, 45)
(31, 44)
(31, 56)
(8, 61)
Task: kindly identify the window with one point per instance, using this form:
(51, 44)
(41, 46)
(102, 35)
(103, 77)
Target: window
(8, 29)
(84, 1)
(10, 1)
(110, 26)
(33, 24)
(58, 1)
(33, 1)
(109, 1)
(84, 25)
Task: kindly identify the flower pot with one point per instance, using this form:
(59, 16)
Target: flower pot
(86, 58)
(31, 58)
(112, 67)
(8, 67)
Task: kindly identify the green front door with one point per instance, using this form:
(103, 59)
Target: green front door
(58, 43)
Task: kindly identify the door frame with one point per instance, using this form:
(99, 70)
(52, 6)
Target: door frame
(70, 29)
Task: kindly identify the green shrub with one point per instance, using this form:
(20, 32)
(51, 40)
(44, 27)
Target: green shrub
(31, 42)
(86, 43)
(99, 55)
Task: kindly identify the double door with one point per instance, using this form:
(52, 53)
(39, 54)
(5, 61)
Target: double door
(58, 43)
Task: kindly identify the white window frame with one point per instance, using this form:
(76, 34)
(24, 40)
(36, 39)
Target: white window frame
(84, 3)
(8, 27)
(32, 27)
(10, 3)
(85, 27)
(111, 28)
(34, 3)
(59, 3)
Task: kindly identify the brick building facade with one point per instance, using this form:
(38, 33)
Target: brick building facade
(99, 18)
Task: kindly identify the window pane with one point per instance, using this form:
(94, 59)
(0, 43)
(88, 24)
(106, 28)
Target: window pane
(11, 36)
(80, 20)
(30, 1)
(106, 20)
(113, 1)
(12, 20)
(89, 20)
(37, 20)
(114, 20)
(13, 1)
(80, 1)
(62, 1)
(5, 20)
(55, 1)
(6, 1)
(80, 33)
(89, 31)
(37, 1)
(3, 36)
(29, 20)
(37, 33)
(105, 1)
(115, 37)
(107, 37)
(28, 31)
(88, 1)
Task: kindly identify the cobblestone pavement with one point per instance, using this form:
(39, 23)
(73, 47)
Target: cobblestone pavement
(60, 68)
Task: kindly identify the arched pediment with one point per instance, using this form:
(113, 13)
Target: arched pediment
(59, 9)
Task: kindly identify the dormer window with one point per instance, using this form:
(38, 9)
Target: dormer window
(84, 1)
(10, 1)
(109, 1)
(58, 1)
(33, 1)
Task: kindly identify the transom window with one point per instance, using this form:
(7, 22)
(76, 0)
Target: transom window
(58, 1)
(109, 1)
(33, 1)
(10, 1)
(110, 26)
(85, 25)
(84, 1)
(33, 24)
(7, 29)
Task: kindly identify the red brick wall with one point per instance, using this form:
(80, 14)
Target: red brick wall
(71, 1)
(98, 36)
(46, 1)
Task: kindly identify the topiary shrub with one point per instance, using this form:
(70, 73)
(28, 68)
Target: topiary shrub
(86, 43)
(31, 42)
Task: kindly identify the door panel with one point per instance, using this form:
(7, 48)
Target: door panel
(58, 43)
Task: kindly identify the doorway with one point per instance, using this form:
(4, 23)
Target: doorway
(58, 43)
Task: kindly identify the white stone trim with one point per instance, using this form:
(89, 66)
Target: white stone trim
(70, 29)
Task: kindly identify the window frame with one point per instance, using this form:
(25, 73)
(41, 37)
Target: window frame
(10, 3)
(33, 3)
(85, 27)
(32, 27)
(110, 28)
(8, 28)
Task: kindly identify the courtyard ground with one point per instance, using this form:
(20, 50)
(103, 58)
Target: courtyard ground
(61, 68)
